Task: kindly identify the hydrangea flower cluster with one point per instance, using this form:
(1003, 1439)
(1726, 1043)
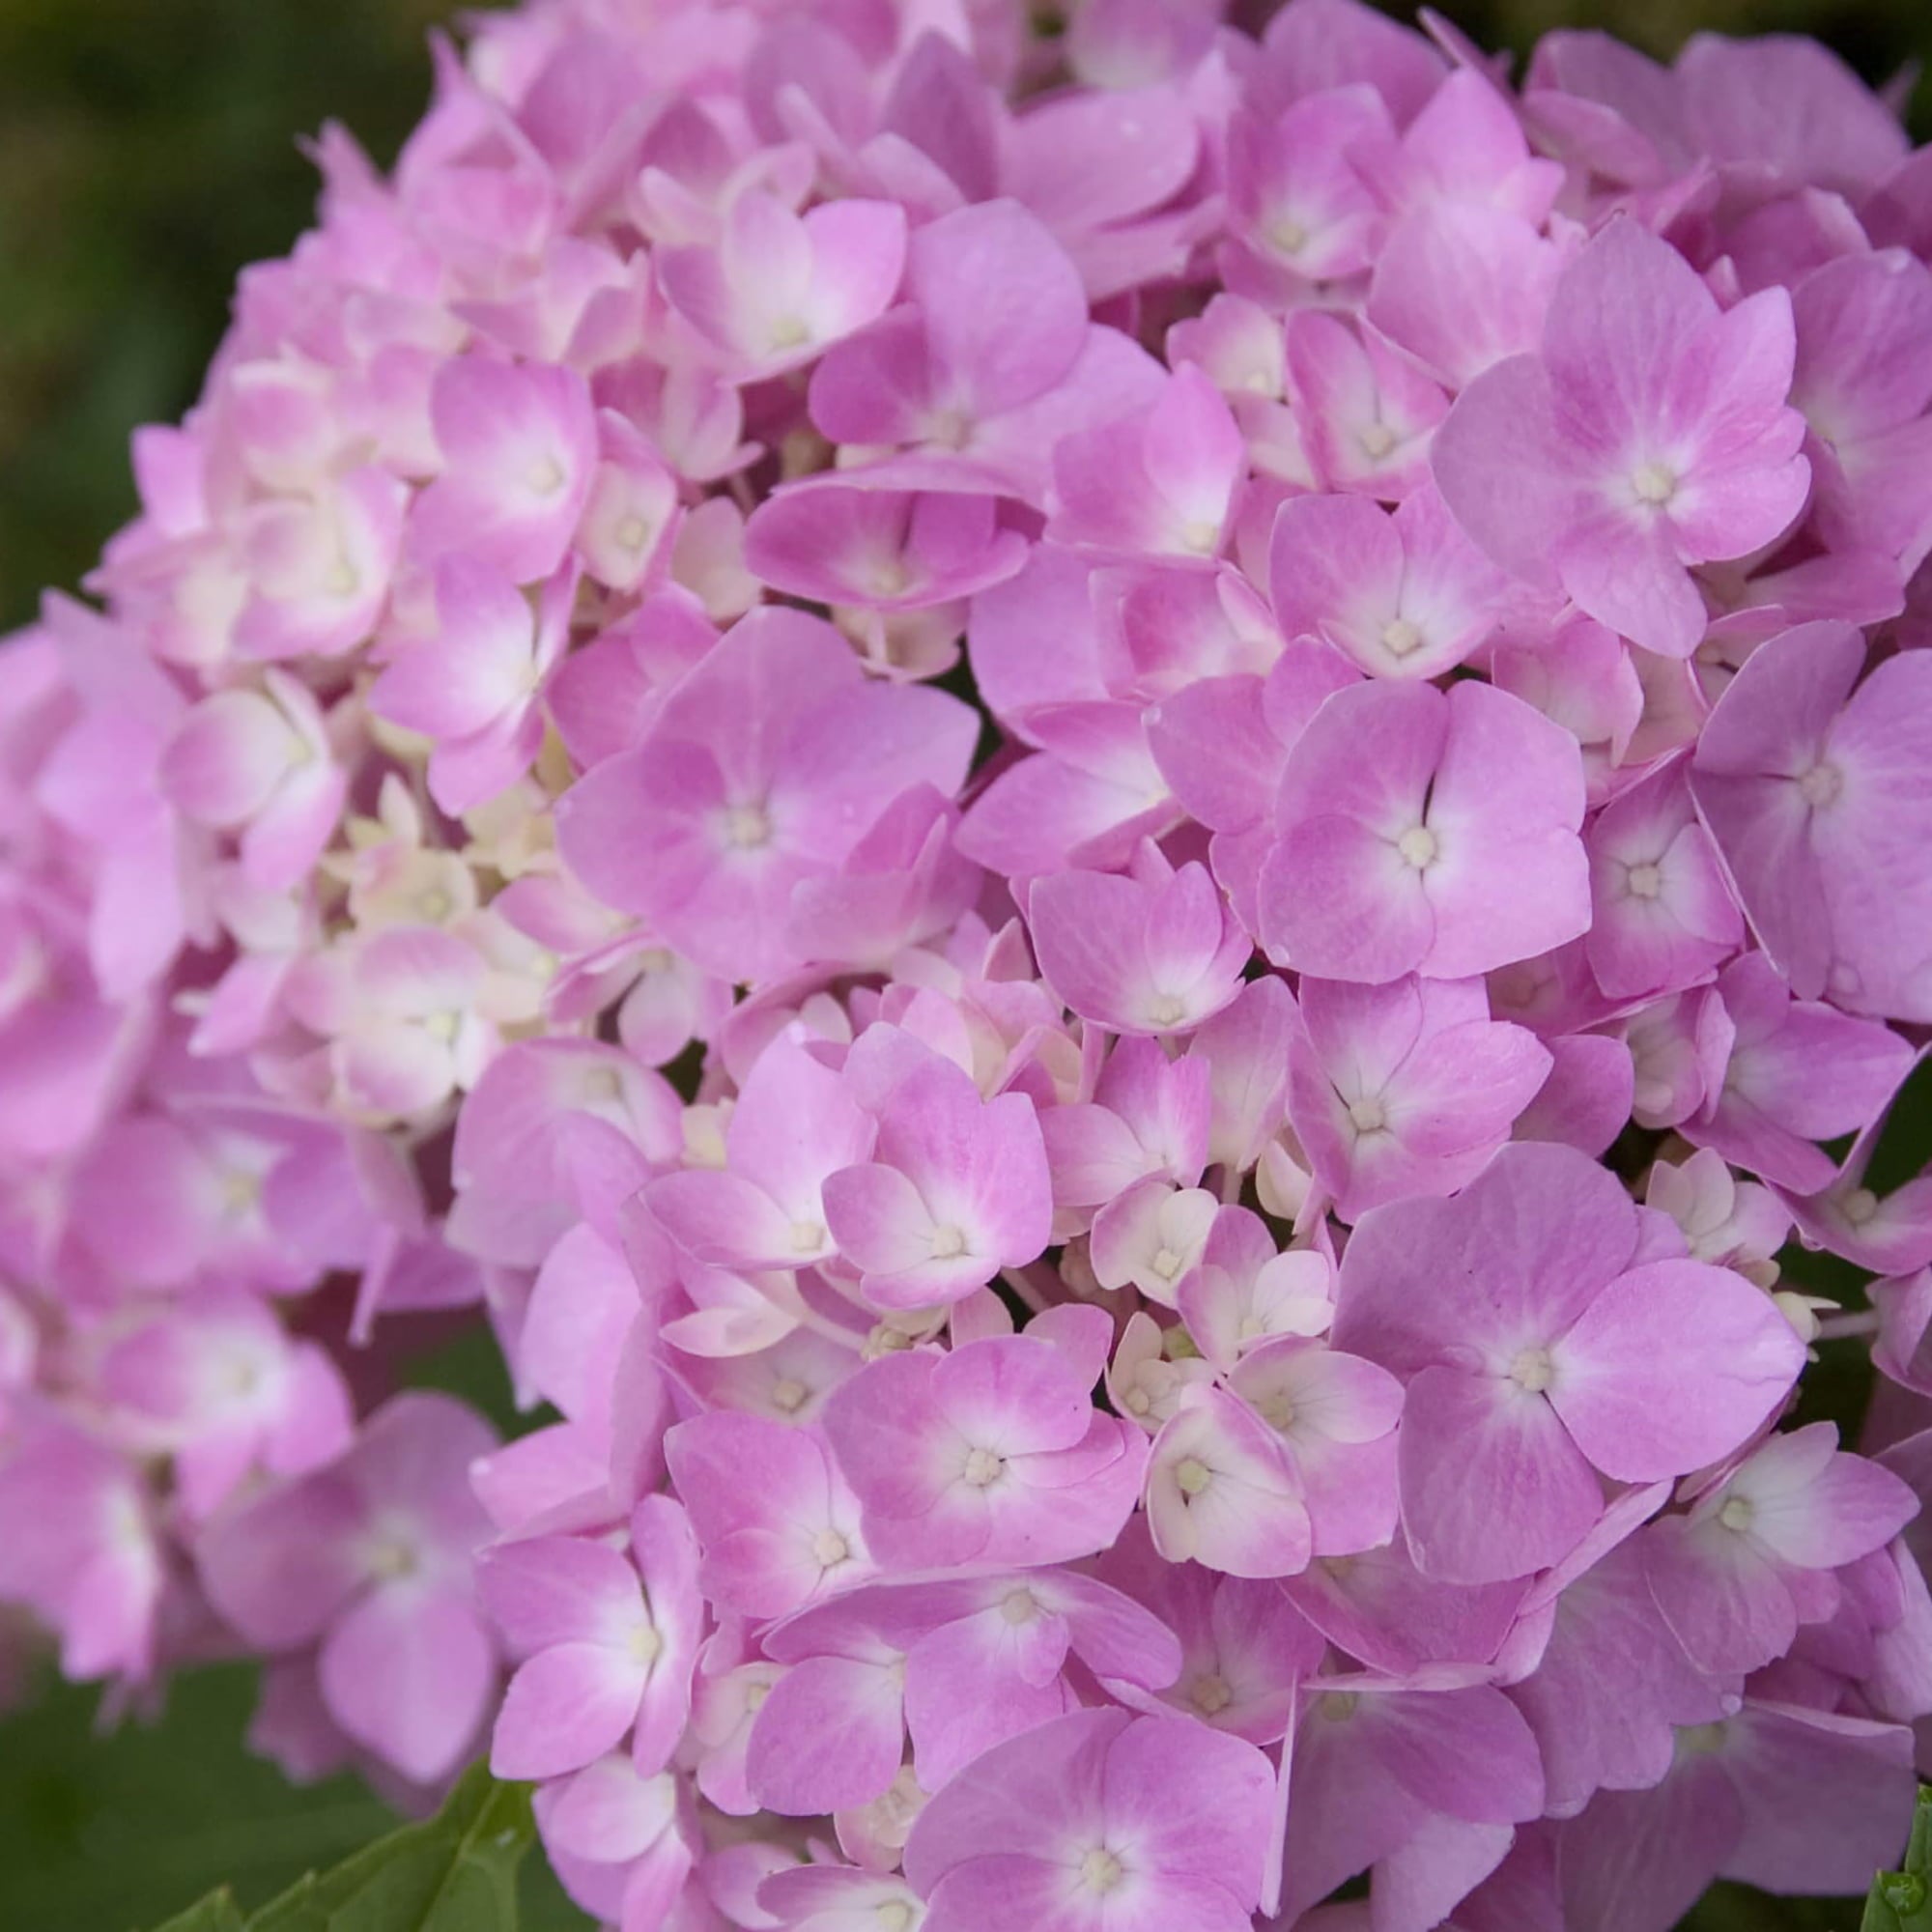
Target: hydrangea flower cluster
(1108, 825)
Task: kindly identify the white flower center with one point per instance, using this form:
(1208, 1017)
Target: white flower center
(1192, 1476)
(242, 1192)
(1166, 1010)
(894, 1916)
(788, 1396)
(1367, 1114)
(1288, 235)
(1400, 636)
(1653, 483)
(1210, 1695)
(633, 534)
(1277, 1411)
(1201, 537)
(1166, 1263)
(1101, 1870)
(1645, 881)
(1821, 785)
(1858, 1205)
(442, 1025)
(646, 1646)
(747, 827)
(807, 1236)
(1737, 1513)
(545, 477)
(1376, 440)
(1532, 1370)
(1417, 846)
(948, 1243)
(983, 1469)
(830, 1548)
(1020, 1607)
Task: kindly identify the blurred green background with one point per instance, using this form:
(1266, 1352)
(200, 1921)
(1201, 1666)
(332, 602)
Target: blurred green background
(147, 152)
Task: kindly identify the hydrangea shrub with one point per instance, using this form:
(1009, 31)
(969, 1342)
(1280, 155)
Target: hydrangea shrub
(1108, 825)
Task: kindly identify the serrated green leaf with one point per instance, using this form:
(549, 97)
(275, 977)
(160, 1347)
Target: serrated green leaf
(1901, 1901)
(455, 1873)
(217, 1912)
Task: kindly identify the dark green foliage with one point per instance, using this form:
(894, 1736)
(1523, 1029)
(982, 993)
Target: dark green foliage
(456, 1872)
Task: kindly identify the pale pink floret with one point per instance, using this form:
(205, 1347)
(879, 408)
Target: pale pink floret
(1297, 202)
(217, 1382)
(83, 1550)
(1648, 433)
(1419, 831)
(880, 550)
(475, 687)
(762, 769)
(959, 1188)
(1148, 1116)
(1405, 1089)
(1664, 912)
(777, 1525)
(1736, 1576)
(519, 444)
(1523, 1315)
(1224, 1493)
(779, 288)
(399, 1016)
(1150, 1236)
(994, 1451)
(604, 1648)
(795, 1124)
(1163, 482)
(1463, 287)
(371, 1557)
(260, 763)
(1813, 784)
(1154, 953)
(1367, 412)
(1421, 1784)
(1403, 595)
(1797, 1073)
(555, 1131)
(1096, 1821)
(1243, 1293)
(1337, 1416)
(991, 359)
(1864, 382)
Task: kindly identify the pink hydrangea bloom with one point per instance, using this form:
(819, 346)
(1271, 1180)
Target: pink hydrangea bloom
(1532, 1355)
(1405, 1089)
(761, 771)
(370, 1558)
(1648, 433)
(993, 1452)
(1424, 830)
(1096, 1816)
(1010, 784)
(1809, 781)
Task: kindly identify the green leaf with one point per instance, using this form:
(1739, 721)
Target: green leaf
(456, 1873)
(217, 1912)
(1901, 1901)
